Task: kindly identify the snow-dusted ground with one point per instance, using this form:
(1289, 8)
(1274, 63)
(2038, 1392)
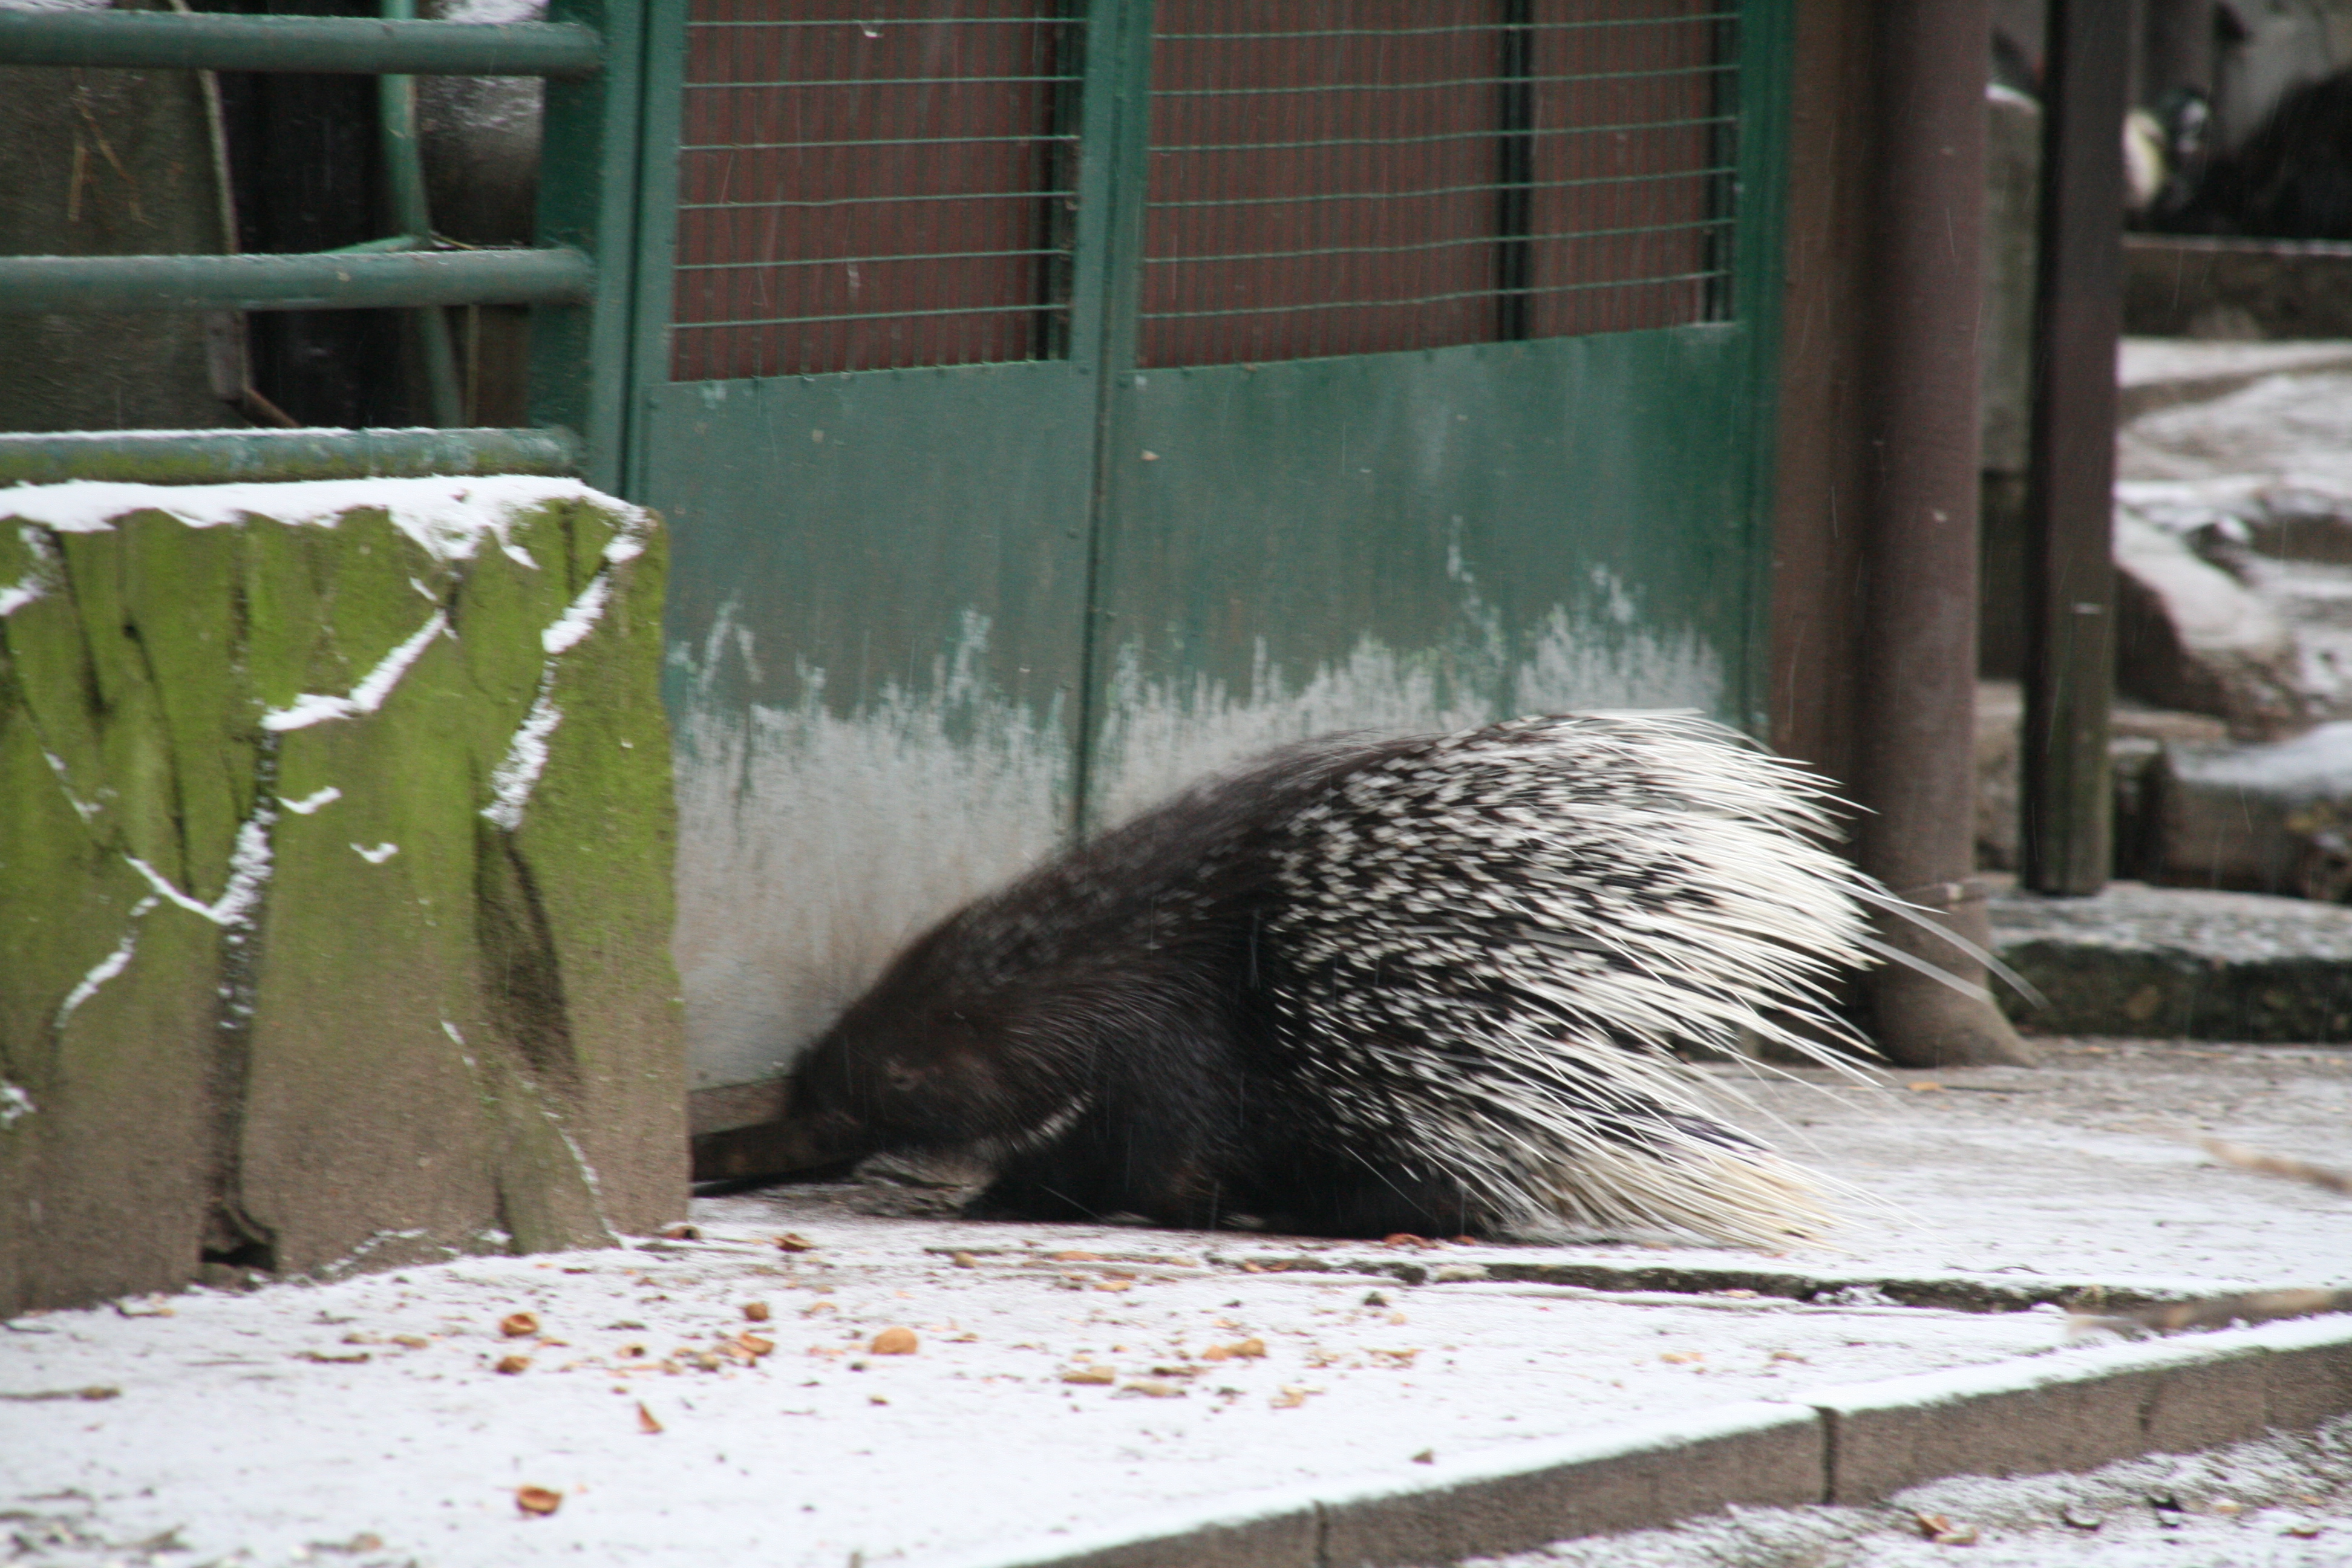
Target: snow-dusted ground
(365, 1421)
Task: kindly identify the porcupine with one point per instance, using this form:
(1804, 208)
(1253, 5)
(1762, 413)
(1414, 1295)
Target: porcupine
(1436, 984)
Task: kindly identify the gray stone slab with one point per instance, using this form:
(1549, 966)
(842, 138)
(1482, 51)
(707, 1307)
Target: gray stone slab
(2179, 962)
(2175, 1397)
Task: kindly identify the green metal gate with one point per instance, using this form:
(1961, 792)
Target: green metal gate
(1053, 400)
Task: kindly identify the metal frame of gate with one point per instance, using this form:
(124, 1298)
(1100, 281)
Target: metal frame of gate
(1381, 472)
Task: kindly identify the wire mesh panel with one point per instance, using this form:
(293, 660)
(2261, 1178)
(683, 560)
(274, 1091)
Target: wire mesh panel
(867, 183)
(1348, 176)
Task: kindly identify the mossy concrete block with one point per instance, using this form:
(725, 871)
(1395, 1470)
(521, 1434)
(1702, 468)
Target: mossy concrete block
(335, 858)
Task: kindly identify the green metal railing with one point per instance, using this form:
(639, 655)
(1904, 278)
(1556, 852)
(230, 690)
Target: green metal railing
(588, 56)
(167, 40)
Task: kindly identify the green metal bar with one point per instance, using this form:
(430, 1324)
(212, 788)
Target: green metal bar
(299, 282)
(163, 40)
(1766, 44)
(1113, 170)
(656, 225)
(589, 169)
(412, 214)
(180, 457)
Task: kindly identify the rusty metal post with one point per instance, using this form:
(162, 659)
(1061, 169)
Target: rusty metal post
(1916, 745)
(2066, 797)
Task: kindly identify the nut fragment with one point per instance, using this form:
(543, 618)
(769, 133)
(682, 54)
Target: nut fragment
(646, 1421)
(1150, 1389)
(895, 1342)
(538, 1500)
(755, 1311)
(793, 1241)
(1090, 1374)
(519, 1325)
(1240, 1350)
(965, 1260)
(756, 1344)
(511, 1364)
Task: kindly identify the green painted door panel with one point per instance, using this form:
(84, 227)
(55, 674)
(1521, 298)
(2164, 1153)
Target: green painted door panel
(1412, 539)
(877, 585)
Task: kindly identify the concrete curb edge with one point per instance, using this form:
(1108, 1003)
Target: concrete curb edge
(1846, 1444)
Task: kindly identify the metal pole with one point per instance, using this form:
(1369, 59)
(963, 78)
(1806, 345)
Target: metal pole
(1916, 766)
(412, 215)
(2066, 829)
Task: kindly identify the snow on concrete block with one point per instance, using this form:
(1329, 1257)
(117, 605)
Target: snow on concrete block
(2267, 818)
(335, 849)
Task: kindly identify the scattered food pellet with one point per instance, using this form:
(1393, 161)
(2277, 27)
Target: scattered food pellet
(965, 1260)
(1426, 1456)
(1681, 1358)
(793, 1241)
(755, 1344)
(876, 1399)
(755, 1311)
(1374, 1299)
(1090, 1374)
(895, 1342)
(1939, 1529)
(519, 1325)
(1240, 1350)
(538, 1500)
(645, 1420)
(1290, 1398)
(1151, 1390)
(511, 1364)
(412, 1341)
(1075, 1257)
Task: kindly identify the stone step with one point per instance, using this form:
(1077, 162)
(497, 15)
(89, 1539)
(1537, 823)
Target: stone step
(2179, 963)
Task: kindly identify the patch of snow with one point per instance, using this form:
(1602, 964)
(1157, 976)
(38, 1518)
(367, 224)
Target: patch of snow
(83, 808)
(495, 12)
(2211, 609)
(311, 802)
(449, 517)
(14, 1102)
(106, 968)
(518, 773)
(377, 856)
(581, 618)
(37, 583)
(2317, 763)
(369, 694)
(248, 867)
(451, 1030)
